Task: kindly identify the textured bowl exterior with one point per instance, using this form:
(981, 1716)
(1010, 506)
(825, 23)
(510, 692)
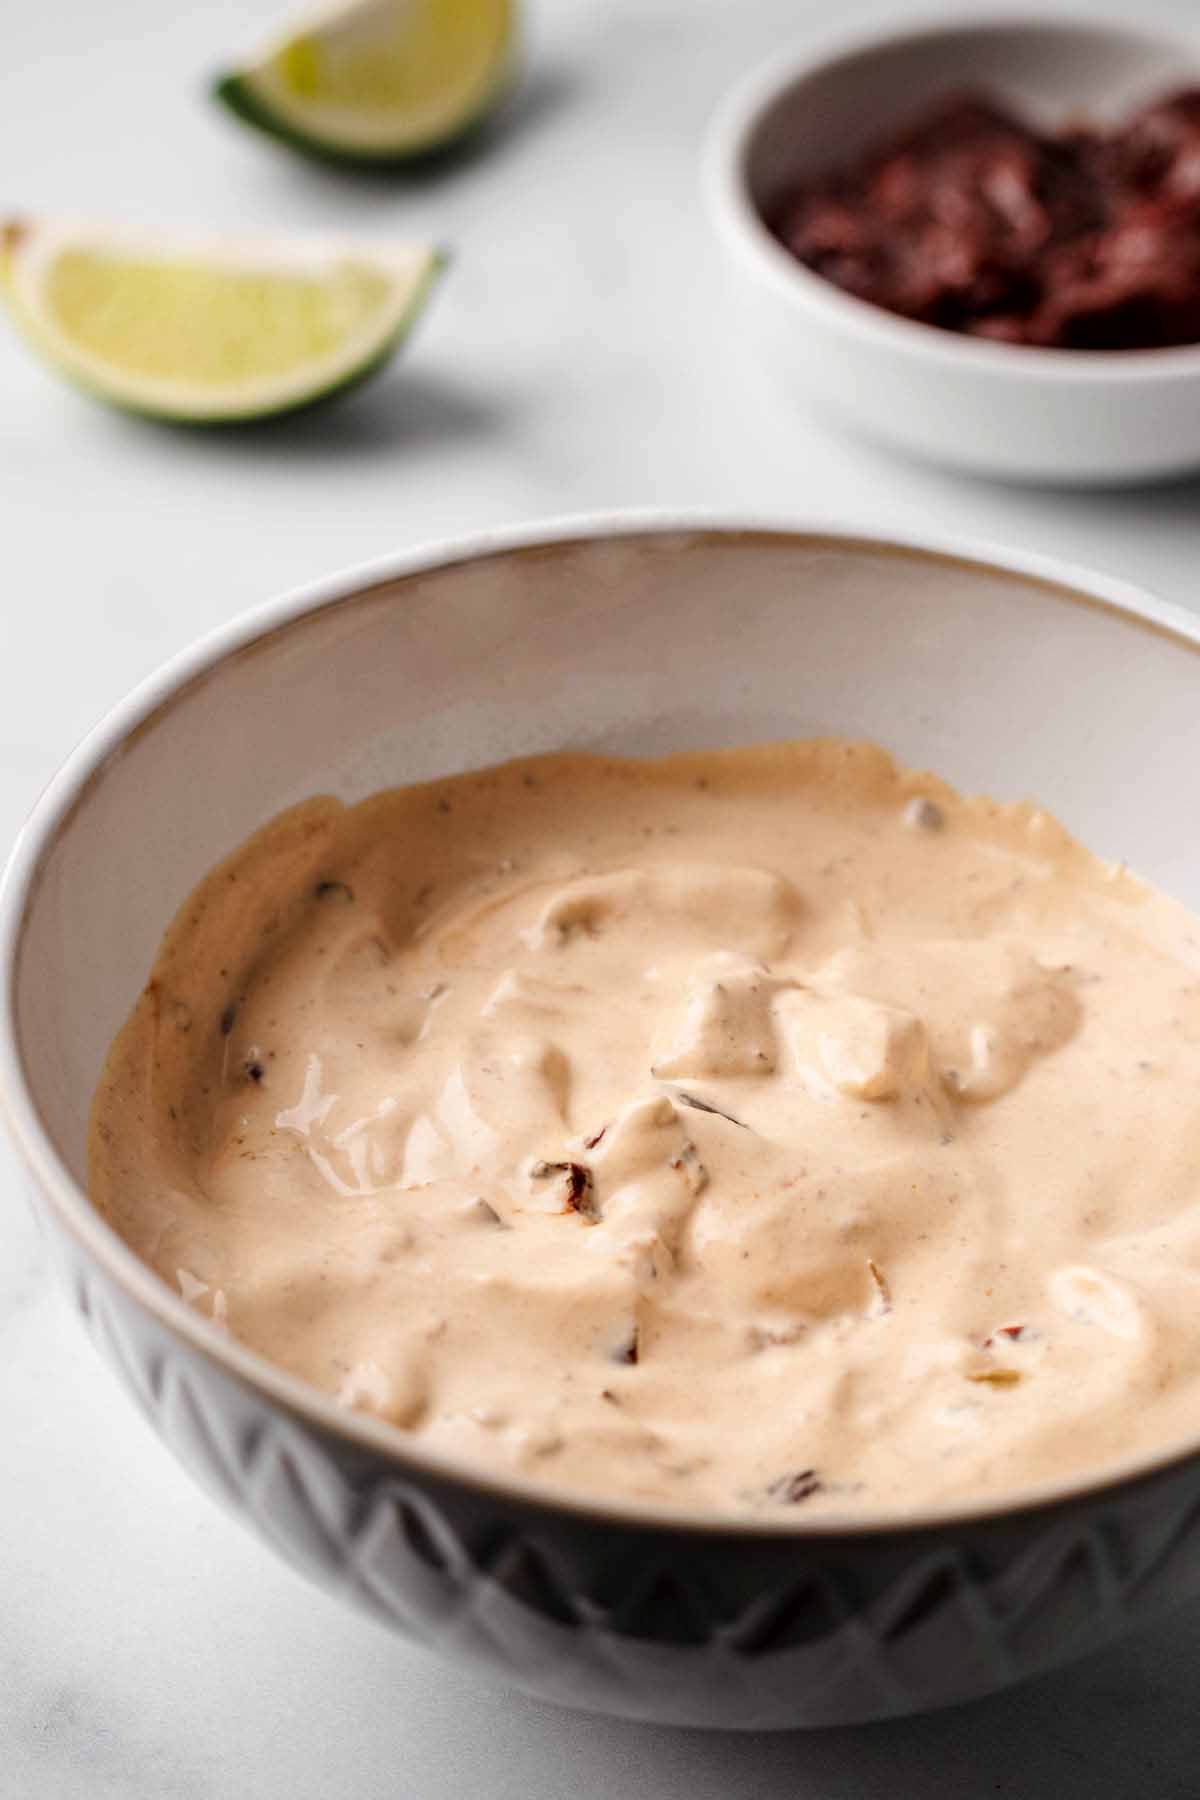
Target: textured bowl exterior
(731, 1630)
(669, 1620)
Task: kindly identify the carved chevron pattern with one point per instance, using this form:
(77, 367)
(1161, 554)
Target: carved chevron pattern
(647, 1630)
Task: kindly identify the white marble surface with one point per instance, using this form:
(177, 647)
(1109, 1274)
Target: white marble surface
(581, 353)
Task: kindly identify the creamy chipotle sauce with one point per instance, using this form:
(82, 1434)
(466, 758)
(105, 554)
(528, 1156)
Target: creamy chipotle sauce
(758, 1130)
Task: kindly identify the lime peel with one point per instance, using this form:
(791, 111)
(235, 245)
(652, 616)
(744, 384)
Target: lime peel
(379, 81)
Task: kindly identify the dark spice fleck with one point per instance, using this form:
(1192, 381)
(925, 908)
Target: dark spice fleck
(228, 1018)
(580, 1189)
(1013, 1332)
(923, 815)
(706, 1106)
(333, 890)
(579, 1186)
(255, 1071)
(792, 1489)
(883, 1293)
(590, 1143)
(628, 1351)
(688, 1164)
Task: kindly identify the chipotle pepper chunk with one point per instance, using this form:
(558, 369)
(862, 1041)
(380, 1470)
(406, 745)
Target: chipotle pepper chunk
(972, 220)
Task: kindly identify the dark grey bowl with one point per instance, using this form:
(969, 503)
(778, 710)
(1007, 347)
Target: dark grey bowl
(646, 636)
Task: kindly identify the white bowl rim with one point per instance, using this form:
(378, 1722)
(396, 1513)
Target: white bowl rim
(742, 226)
(1064, 581)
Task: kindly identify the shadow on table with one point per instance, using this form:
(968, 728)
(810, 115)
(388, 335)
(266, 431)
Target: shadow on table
(1123, 1725)
(540, 96)
(406, 408)
(1174, 496)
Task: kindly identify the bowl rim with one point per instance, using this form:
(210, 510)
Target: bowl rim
(155, 696)
(744, 231)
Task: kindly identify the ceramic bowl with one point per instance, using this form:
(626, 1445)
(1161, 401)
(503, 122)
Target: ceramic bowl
(990, 408)
(1006, 673)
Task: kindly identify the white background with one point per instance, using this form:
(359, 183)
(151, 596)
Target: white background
(582, 352)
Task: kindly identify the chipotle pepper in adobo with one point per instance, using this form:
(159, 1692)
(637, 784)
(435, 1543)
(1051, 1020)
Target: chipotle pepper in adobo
(974, 221)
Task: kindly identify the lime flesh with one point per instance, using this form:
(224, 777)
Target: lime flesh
(380, 80)
(210, 332)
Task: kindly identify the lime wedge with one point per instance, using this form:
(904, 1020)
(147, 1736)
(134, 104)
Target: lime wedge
(379, 81)
(209, 331)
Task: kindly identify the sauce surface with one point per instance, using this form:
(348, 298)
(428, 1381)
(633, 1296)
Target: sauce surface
(753, 1130)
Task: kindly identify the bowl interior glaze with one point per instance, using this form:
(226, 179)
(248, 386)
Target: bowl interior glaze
(637, 642)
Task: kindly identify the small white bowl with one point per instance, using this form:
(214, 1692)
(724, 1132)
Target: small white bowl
(1015, 411)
